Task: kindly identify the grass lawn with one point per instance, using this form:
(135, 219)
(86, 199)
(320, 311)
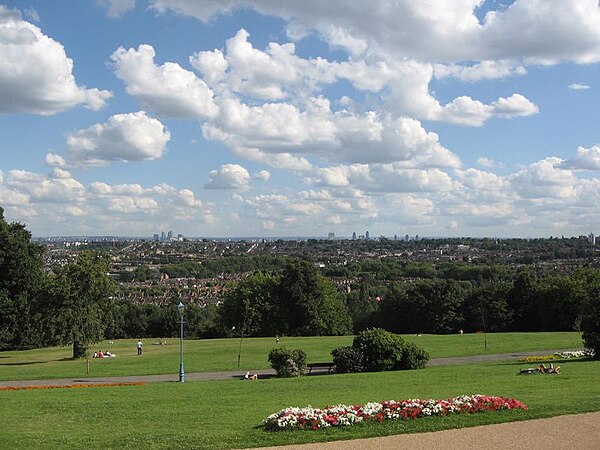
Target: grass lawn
(224, 414)
(213, 355)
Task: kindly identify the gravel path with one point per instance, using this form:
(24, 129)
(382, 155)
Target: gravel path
(197, 376)
(577, 432)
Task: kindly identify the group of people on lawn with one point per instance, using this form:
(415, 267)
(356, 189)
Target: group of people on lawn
(106, 354)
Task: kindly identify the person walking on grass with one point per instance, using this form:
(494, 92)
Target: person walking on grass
(139, 347)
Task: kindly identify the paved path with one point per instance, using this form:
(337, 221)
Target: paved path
(577, 432)
(265, 373)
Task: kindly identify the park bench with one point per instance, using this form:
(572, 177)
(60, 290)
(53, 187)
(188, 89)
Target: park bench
(527, 371)
(323, 365)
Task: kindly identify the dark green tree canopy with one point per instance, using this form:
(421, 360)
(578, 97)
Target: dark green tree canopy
(21, 280)
(299, 301)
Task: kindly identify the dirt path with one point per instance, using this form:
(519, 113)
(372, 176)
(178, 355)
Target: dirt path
(577, 432)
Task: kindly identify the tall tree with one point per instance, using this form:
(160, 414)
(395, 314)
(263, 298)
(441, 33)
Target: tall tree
(81, 302)
(252, 307)
(21, 276)
(309, 304)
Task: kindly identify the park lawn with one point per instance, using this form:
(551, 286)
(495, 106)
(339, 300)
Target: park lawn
(213, 355)
(224, 414)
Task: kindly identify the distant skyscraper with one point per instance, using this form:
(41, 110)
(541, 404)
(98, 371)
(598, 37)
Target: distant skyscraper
(416, 237)
(170, 235)
(156, 237)
(591, 238)
(367, 235)
(354, 235)
(406, 238)
(162, 236)
(331, 236)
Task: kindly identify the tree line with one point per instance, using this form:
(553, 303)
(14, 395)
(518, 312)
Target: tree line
(75, 306)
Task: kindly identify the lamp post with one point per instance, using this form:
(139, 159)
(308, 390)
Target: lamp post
(181, 308)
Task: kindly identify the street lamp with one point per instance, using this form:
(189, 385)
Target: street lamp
(181, 308)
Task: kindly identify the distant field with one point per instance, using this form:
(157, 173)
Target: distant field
(223, 414)
(221, 354)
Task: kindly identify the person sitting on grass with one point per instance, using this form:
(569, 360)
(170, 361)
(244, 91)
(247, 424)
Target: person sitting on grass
(250, 377)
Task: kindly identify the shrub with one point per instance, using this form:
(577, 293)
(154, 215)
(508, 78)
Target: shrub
(287, 363)
(380, 349)
(347, 360)
(413, 357)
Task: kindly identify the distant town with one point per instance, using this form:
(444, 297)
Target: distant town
(201, 270)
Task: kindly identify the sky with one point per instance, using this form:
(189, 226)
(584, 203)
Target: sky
(238, 118)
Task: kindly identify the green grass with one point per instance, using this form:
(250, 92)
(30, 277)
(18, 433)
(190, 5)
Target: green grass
(221, 354)
(224, 414)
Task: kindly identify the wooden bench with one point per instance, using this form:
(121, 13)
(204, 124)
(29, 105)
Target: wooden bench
(326, 365)
(528, 371)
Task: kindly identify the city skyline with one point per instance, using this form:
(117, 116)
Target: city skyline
(275, 118)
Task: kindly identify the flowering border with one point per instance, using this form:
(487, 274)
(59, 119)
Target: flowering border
(585, 353)
(69, 386)
(293, 418)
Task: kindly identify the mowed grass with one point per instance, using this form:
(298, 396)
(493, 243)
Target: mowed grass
(224, 414)
(212, 355)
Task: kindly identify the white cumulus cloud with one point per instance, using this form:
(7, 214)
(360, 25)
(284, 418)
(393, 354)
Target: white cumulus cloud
(124, 137)
(36, 76)
(169, 89)
(229, 176)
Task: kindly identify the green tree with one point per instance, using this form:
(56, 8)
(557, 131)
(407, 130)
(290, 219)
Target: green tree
(21, 280)
(81, 302)
(590, 323)
(252, 307)
(590, 316)
(309, 304)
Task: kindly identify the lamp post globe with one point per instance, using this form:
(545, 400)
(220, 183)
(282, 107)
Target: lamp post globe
(181, 309)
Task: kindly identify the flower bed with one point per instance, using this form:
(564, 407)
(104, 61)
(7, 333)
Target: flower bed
(540, 358)
(69, 386)
(586, 353)
(341, 415)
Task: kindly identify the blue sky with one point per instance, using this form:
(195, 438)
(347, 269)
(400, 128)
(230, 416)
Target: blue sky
(286, 118)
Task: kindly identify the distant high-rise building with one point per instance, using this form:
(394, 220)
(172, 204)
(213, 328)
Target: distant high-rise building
(354, 235)
(162, 236)
(331, 236)
(591, 239)
(367, 235)
(395, 237)
(406, 238)
(170, 235)
(416, 237)
(156, 237)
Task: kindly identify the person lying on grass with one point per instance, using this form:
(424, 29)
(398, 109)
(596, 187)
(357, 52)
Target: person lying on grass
(543, 369)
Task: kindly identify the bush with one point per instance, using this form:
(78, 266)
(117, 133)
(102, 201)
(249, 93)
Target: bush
(347, 360)
(380, 349)
(287, 363)
(375, 350)
(413, 357)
